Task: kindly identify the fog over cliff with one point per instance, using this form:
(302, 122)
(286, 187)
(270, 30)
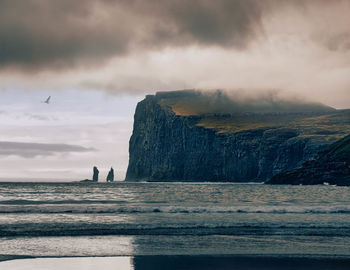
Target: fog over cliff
(238, 101)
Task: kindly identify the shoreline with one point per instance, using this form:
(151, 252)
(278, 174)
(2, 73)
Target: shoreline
(172, 262)
(5, 257)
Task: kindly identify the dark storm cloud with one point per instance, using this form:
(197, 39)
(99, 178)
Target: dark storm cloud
(29, 150)
(36, 34)
(340, 42)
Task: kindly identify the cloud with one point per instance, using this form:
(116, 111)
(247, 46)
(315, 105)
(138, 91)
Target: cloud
(29, 150)
(36, 34)
(41, 34)
(38, 117)
(143, 46)
(110, 140)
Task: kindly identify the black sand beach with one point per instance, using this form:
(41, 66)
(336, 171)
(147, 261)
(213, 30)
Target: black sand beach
(182, 262)
(238, 262)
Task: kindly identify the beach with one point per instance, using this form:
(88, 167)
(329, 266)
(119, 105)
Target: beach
(180, 262)
(173, 226)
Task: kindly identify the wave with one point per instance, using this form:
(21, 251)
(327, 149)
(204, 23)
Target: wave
(81, 229)
(32, 202)
(91, 208)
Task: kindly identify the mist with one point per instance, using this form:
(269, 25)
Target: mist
(195, 102)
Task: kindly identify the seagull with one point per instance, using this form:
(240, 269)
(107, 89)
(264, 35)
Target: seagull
(47, 101)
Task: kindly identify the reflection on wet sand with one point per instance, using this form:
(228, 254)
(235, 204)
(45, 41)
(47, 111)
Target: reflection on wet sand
(238, 263)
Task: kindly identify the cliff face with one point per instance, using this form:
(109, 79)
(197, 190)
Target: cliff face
(331, 166)
(168, 146)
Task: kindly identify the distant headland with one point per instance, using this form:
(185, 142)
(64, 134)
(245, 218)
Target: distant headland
(195, 135)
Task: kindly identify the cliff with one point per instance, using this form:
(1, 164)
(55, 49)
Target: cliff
(190, 136)
(331, 166)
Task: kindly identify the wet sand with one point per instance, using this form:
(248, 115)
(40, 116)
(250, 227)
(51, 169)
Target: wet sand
(181, 262)
(239, 262)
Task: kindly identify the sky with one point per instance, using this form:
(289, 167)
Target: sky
(97, 59)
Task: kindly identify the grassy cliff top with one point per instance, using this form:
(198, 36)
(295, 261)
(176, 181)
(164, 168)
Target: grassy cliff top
(340, 150)
(229, 113)
(195, 102)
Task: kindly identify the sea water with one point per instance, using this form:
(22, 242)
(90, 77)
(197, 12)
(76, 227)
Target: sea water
(136, 219)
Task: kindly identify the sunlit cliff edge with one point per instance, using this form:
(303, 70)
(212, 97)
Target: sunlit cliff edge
(214, 136)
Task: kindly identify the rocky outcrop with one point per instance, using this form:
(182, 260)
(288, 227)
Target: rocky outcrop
(330, 167)
(95, 174)
(86, 181)
(110, 175)
(171, 146)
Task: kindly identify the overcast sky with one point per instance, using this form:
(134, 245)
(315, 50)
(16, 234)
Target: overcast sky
(97, 59)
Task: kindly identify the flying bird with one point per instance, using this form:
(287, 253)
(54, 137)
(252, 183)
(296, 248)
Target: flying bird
(47, 101)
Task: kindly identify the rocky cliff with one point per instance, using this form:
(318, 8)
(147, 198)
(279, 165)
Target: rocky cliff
(181, 136)
(331, 166)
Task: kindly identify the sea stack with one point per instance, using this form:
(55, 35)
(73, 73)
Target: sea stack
(110, 176)
(95, 175)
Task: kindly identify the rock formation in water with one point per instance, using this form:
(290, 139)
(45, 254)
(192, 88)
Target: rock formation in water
(331, 166)
(95, 174)
(86, 181)
(110, 176)
(191, 136)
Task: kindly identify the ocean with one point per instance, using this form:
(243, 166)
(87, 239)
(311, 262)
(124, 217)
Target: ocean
(173, 219)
